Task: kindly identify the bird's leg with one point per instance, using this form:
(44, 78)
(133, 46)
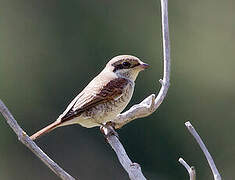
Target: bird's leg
(108, 129)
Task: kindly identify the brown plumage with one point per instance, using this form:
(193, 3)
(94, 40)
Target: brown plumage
(103, 98)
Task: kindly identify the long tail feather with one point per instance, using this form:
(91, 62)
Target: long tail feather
(45, 130)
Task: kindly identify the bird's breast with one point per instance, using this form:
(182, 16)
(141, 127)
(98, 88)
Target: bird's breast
(108, 110)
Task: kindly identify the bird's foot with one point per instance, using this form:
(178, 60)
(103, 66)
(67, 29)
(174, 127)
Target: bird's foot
(108, 130)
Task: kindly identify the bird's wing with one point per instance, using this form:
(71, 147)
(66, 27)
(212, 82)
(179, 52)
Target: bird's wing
(93, 95)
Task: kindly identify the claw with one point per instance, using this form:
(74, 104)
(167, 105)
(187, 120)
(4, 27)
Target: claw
(108, 130)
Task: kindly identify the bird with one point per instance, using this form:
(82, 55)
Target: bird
(103, 98)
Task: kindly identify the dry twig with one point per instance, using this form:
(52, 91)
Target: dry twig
(205, 151)
(191, 170)
(24, 138)
(143, 109)
(150, 104)
(133, 169)
(146, 107)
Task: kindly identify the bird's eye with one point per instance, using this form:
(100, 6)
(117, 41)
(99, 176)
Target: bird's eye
(126, 64)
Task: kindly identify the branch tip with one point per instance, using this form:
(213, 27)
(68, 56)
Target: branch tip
(188, 124)
(204, 149)
(185, 164)
(191, 170)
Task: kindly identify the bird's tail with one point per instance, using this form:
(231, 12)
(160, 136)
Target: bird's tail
(45, 130)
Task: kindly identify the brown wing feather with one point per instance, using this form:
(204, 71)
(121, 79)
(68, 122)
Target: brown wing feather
(86, 100)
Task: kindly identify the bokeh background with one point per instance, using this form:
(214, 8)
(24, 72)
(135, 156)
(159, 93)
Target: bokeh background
(50, 50)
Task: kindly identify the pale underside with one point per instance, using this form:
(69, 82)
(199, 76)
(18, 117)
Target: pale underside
(100, 113)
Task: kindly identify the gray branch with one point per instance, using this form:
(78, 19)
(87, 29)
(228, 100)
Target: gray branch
(205, 151)
(152, 102)
(145, 108)
(133, 169)
(191, 170)
(24, 138)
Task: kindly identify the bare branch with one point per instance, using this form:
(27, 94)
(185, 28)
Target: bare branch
(185, 164)
(150, 104)
(24, 138)
(133, 169)
(191, 170)
(205, 151)
(145, 108)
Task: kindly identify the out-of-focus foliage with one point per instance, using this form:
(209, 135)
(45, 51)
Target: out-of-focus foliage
(50, 50)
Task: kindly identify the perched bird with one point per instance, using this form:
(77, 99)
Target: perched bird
(104, 97)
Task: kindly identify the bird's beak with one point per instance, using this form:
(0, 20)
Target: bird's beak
(144, 66)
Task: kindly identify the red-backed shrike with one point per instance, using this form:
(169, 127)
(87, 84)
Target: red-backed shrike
(104, 97)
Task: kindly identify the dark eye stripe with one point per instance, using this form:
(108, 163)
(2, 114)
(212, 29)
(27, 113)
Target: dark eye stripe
(120, 66)
(117, 67)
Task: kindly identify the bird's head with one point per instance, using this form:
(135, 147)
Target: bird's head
(126, 66)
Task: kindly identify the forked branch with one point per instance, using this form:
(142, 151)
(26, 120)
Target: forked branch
(146, 107)
(191, 170)
(205, 151)
(152, 102)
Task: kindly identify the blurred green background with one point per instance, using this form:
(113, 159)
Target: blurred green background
(50, 50)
